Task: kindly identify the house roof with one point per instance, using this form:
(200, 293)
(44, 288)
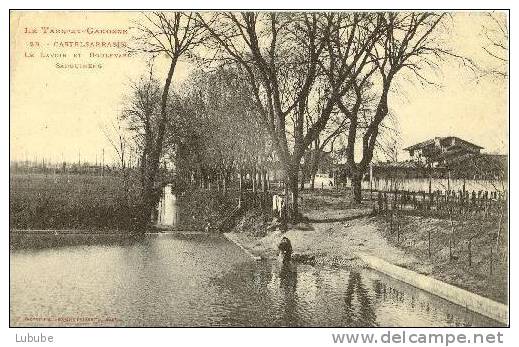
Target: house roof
(420, 145)
(441, 138)
(397, 165)
(460, 139)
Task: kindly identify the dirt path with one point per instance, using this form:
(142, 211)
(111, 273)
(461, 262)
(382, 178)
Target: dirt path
(334, 243)
(336, 232)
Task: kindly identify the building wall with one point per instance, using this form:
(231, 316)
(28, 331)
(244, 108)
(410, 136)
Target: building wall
(419, 184)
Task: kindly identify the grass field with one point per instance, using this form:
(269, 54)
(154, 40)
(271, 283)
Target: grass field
(38, 201)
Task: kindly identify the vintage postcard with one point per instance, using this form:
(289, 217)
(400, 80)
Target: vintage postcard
(259, 169)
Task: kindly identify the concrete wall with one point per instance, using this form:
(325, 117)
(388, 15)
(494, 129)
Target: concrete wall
(471, 301)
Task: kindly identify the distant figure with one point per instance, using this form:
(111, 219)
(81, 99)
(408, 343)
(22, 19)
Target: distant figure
(285, 250)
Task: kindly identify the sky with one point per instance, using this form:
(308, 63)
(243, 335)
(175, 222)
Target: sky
(61, 114)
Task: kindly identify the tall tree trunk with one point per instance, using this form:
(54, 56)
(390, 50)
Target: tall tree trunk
(292, 193)
(224, 181)
(150, 197)
(240, 201)
(294, 211)
(265, 185)
(302, 186)
(316, 157)
(356, 185)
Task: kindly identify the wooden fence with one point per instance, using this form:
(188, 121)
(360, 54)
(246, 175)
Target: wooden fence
(448, 202)
(418, 184)
(485, 210)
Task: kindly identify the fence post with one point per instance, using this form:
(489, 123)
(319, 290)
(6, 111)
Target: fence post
(429, 242)
(397, 213)
(491, 261)
(460, 202)
(470, 251)
(380, 203)
(397, 231)
(391, 221)
(450, 249)
(498, 236)
(451, 240)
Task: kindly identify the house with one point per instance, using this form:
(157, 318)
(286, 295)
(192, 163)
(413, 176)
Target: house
(441, 150)
(444, 158)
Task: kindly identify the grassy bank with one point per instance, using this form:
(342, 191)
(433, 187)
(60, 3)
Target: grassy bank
(473, 260)
(200, 207)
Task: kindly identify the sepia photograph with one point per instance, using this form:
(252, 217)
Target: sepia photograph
(258, 168)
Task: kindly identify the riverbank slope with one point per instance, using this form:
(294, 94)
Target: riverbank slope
(337, 231)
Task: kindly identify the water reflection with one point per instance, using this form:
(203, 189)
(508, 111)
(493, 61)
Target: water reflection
(308, 296)
(288, 279)
(288, 285)
(358, 307)
(200, 280)
(31, 242)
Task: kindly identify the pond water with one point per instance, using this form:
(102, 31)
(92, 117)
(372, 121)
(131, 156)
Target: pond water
(202, 280)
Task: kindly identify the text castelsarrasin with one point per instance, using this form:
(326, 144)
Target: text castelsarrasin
(90, 44)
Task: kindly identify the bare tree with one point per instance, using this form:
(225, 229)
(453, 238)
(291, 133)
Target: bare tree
(495, 36)
(117, 135)
(407, 43)
(172, 35)
(141, 113)
(283, 56)
(324, 144)
(226, 136)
